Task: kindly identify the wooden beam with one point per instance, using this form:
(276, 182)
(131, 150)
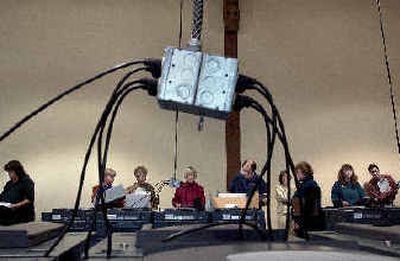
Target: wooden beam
(232, 127)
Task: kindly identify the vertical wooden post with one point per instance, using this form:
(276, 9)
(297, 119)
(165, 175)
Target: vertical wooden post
(232, 127)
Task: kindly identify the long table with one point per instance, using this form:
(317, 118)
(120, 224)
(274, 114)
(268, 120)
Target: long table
(131, 220)
(361, 215)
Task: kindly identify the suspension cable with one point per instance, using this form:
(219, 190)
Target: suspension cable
(389, 74)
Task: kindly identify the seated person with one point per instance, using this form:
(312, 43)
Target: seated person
(19, 193)
(97, 191)
(347, 191)
(281, 191)
(381, 188)
(306, 201)
(140, 174)
(246, 179)
(189, 193)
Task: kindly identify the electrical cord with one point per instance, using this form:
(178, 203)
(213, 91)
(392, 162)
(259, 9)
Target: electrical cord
(215, 224)
(151, 86)
(152, 64)
(241, 102)
(154, 67)
(247, 83)
(271, 137)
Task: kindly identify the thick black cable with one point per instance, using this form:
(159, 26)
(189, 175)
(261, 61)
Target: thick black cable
(270, 141)
(110, 102)
(247, 83)
(289, 166)
(192, 230)
(260, 88)
(104, 163)
(151, 86)
(389, 74)
(63, 94)
(102, 159)
(266, 168)
(102, 121)
(81, 182)
(116, 93)
(289, 162)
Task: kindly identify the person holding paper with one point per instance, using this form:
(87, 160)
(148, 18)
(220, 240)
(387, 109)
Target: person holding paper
(247, 179)
(97, 191)
(18, 196)
(141, 184)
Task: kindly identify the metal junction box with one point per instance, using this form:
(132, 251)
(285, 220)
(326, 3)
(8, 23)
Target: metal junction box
(197, 83)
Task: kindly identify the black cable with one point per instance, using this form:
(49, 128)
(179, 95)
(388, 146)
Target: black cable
(81, 182)
(247, 83)
(176, 144)
(192, 230)
(271, 137)
(119, 93)
(102, 166)
(106, 112)
(241, 102)
(288, 159)
(151, 86)
(63, 94)
(389, 74)
(154, 68)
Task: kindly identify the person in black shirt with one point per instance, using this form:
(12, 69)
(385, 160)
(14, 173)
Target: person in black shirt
(18, 196)
(306, 202)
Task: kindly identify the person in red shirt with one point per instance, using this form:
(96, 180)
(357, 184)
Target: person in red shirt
(381, 188)
(190, 193)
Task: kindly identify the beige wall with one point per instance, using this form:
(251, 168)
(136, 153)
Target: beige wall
(323, 62)
(321, 59)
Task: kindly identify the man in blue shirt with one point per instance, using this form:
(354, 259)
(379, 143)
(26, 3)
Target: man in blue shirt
(246, 179)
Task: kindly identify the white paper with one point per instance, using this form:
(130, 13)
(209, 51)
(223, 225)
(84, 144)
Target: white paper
(231, 195)
(114, 193)
(5, 204)
(138, 199)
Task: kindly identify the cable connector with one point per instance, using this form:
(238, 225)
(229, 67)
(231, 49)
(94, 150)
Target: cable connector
(242, 101)
(150, 85)
(243, 83)
(154, 67)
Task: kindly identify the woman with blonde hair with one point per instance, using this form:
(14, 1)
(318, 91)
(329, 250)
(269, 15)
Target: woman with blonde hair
(347, 191)
(190, 193)
(140, 174)
(97, 191)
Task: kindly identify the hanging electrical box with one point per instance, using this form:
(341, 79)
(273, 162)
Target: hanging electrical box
(197, 83)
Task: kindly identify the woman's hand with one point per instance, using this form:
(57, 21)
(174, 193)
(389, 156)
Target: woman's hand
(345, 203)
(14, 206)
